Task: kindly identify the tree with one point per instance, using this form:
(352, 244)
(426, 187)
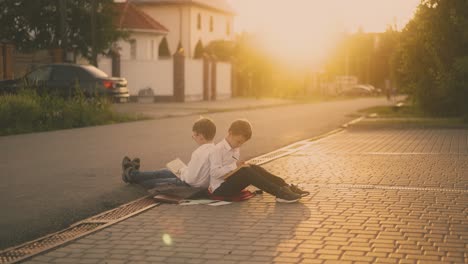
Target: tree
(36, 25)
(198, 54)
(252, 64)
(222, 50)
(432, 60)
(364, 55)
(163, 50)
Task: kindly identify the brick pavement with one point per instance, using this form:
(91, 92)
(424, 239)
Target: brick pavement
(385, 196)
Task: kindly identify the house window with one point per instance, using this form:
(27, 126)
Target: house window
(228, 28)
(211, 24)
(199, 21)
(133, 49)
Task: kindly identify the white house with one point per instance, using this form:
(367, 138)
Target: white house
(189, 21)
(146, 34)
(178, 22)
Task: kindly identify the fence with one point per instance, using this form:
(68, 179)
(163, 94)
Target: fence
(176, 78)
(14, 63)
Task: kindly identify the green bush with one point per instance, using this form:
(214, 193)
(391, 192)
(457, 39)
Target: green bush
(19, 113)
(199, 50)
(164, 49)
(29, 112)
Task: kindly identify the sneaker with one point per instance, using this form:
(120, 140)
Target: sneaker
(126, 162)
(296, 189)
(285, 195)
(126, 175)
(136, 163)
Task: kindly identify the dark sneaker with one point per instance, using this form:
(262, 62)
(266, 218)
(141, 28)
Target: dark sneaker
(126, 177)
(285, 195)
(126, 162)
(296, 189)
(136, 163)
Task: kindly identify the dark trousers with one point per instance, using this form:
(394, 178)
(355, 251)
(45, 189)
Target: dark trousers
(250, 175)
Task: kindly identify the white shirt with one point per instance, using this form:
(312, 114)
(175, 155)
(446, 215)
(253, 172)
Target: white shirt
(222, 161)
(197, 172)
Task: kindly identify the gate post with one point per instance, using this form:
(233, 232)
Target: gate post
(213, 80)
(179, 77)
(1, 62)
(206, 78)
(8, 61)
(115, 56)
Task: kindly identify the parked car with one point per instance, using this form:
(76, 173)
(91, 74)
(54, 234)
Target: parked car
(359, 90)
(63, 79)
(375, 91)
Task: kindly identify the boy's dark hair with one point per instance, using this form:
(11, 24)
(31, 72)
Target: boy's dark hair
(241, 127)
(205, 127)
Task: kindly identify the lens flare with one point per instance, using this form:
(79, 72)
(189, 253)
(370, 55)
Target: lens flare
(166, 238)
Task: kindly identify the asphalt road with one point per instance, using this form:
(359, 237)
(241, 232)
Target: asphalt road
(53, 179)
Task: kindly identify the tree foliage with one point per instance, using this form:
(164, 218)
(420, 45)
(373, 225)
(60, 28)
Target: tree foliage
(221, 50)
(163, 50)
(198, 54)
(36, 25)
(364, 55)
(432, 60)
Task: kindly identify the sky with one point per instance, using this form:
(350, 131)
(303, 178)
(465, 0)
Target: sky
(305, 30)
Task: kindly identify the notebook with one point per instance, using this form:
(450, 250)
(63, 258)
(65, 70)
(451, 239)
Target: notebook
(176, 166)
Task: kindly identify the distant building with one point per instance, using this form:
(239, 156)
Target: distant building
(189, 21)
(146, 33)
(345, 82)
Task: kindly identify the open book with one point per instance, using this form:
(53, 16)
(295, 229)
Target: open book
(229, 174)
(176, 166)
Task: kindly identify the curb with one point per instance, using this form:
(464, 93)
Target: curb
(203, 111)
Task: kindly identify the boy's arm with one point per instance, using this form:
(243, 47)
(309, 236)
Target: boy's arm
(217, 170)
(193, 167)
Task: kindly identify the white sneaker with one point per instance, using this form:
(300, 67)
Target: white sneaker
(285, 195)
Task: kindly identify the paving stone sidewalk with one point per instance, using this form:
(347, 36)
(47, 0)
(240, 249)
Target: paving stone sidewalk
(378, 196)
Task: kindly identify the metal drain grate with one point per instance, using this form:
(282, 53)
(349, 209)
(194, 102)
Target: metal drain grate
(269, 157)
(80, 229)
(45, 243)
(122, 211)
(333, 132)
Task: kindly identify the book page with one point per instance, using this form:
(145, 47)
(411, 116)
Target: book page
(229, 174)
(176, 166)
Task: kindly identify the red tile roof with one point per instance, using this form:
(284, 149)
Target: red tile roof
(218, 5)
(134, 19)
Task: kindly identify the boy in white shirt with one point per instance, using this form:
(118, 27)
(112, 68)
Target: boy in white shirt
(196, 174)
(224, 159)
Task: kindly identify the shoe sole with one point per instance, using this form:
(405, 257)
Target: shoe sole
(124, 175)
(124, 178)
(279, 200)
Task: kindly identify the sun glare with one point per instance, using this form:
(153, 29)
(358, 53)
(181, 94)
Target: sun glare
(167, 239)
(304, 31)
